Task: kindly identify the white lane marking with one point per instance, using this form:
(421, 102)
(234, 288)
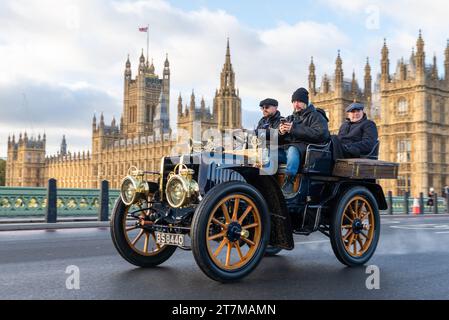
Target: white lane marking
(423, 226)
(442, 232)
(311, 242)
(390, 222)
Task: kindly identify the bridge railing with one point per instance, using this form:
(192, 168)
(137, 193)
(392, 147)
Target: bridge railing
(26, 202)
(407, 204)
(20, 202)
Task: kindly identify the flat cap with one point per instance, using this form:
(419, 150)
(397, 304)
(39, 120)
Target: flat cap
(355, 106)
(268, 102)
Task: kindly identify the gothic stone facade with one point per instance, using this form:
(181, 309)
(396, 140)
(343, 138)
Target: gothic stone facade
(411, 109)
(141, 139)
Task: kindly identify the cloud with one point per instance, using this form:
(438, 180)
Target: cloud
(51, 105)
(400, 21)
(68, 56)
(55, 110)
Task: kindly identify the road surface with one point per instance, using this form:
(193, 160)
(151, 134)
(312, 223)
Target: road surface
(412, 257)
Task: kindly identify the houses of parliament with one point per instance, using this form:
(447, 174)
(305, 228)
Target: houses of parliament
(141, 138)
(409, 105)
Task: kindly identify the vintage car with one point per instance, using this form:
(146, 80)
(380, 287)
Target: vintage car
(226, 209)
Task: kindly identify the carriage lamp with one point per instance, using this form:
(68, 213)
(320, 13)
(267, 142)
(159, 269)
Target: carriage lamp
(181, 189)
(133, 187)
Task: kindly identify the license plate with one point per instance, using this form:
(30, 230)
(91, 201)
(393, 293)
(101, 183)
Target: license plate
(172, 239)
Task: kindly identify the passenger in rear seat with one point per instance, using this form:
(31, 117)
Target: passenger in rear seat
(357, 135)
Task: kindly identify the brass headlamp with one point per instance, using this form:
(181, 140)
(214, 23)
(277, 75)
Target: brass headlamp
(133, 187)
(181, 189)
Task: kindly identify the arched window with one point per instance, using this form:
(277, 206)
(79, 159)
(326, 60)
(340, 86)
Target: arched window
(402, 106)
(403, 151)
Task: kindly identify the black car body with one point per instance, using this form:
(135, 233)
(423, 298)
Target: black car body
(195, 195)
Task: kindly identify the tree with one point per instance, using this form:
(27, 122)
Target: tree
(2, 172)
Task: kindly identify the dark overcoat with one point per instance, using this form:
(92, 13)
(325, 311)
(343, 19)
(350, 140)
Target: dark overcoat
(310, 126)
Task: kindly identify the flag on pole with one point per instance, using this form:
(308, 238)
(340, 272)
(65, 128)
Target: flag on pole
(145, 29)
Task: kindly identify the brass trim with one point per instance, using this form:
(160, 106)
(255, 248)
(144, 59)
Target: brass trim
(161, 178)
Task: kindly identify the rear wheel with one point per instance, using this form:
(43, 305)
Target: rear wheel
(134, 243)
(355, 227)
(230, 231)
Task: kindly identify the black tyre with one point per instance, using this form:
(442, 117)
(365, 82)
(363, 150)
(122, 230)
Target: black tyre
(355, 227)
(271, 251)
(232, 215)
(134, 244)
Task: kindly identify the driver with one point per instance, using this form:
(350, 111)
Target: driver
(271, 118)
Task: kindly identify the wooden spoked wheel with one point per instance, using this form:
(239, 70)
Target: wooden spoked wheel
(357, 226)
(140, 240)
(134, 243)
(234, 230)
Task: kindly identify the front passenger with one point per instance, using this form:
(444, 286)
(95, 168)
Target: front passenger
(305, 126)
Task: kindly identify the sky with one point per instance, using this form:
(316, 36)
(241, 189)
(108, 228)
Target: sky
(62, 61)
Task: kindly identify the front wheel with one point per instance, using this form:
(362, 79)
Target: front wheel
(134, 243)
(272, 251)
(230, 231)
(355, 227)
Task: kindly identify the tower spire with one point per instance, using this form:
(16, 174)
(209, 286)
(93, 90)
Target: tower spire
(368, 78)
(420, 54)
(354, 86)
(128, 69)
(192, 102)
(142, 66)
(325, 84)
(312, 77)
(434, 68)
(63, 148)
(180, 105)
(102, 121)
(446, 62)
(128, 63)
(385, 64)
(227, 74)
(166, 63)
(227, 104)
(338, 71)
(203, 106)
(151, 68)
(228, 52)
